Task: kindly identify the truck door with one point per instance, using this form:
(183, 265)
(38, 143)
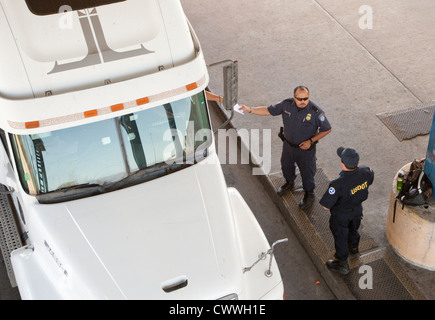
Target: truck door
(6, 172)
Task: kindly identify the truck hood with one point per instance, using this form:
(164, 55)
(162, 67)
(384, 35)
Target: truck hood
(135, 242)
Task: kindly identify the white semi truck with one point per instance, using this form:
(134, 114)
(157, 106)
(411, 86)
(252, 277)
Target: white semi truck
(111, 187)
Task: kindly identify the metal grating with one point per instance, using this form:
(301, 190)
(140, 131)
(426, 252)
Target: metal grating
(9, 235)
(390, 281)
(386, 283)
(315, 222)
(409, 123)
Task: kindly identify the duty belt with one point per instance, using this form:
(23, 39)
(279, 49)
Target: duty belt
(282, 137)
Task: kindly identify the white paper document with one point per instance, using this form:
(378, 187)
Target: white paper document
(238, 108)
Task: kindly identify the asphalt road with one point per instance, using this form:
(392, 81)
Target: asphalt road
(6, 291)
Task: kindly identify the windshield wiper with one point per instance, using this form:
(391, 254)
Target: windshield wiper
(70, 193)
(90, 189)
(78, 186)
(146, 174)
(176, 167)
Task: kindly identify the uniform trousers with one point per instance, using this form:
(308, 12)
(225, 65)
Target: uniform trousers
(344, 228)
(306, 162)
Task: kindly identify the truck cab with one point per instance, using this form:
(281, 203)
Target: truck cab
(108, 162)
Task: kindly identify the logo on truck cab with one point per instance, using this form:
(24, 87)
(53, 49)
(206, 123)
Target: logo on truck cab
(98, 49)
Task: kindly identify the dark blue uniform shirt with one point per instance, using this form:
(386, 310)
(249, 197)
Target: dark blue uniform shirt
(346, 193)
(300, 124)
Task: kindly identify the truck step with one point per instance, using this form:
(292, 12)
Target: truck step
(9, 235)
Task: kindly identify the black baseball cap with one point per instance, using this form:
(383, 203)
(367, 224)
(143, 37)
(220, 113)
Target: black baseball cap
(348, 156)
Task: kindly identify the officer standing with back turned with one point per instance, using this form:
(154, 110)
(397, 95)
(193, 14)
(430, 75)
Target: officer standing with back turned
(344, 199)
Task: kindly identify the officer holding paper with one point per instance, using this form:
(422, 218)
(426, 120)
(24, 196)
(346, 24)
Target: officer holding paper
(304, 124)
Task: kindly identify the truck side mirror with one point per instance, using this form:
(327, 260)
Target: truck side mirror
(230, 71)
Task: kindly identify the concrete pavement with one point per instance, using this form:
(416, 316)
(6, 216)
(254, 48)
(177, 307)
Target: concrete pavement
(353, 74)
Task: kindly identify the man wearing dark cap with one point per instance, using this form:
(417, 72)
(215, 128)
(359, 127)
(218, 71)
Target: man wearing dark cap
(344, 199)
(304, 124)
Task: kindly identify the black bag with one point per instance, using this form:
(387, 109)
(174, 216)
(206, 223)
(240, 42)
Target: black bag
(416, 188)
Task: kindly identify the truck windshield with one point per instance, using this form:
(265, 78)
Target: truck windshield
(107, 152)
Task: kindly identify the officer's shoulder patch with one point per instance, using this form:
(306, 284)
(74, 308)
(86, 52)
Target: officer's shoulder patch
(331, 190)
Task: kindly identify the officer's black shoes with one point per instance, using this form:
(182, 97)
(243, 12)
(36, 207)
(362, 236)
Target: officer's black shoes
(339, 266)
(353, 253)
(286, 187)
(307, 201)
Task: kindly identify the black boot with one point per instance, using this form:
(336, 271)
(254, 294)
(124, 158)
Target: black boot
(353, 252)
(340, 266)
(286, 187)
(307, 201)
